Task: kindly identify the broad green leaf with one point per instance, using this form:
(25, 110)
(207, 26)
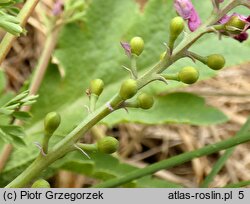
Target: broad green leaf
(104, 167)
(174, 108)
(92, 50)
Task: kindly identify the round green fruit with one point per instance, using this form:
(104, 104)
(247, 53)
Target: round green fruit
(177, 26)
(137, 45)
(215, 61)
(235, 25)
(51, 122)
(96, 86)
(41, 183)
(188, 75)
(107, 145)
(145, 101)
(128, 89)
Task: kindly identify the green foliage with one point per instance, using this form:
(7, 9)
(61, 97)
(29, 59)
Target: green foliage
(171, 109)
(8, 20)
(92, 50)
(11, 111)
(104, 167)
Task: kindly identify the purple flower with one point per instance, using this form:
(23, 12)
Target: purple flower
(187, 11)
(57, 8)
(127, 48)
(241, 37)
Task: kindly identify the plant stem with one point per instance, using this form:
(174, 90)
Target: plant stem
(174, 161)
(23, 16)
(238, 185)
(223, 159)
(134, 66)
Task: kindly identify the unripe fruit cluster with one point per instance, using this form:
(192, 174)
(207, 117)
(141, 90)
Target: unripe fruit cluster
(188, 75)
(107, 145)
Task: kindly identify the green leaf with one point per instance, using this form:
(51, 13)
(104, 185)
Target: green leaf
(22, 115)
(14, 132)
(104, 167)
(92, 50)
(174, 108)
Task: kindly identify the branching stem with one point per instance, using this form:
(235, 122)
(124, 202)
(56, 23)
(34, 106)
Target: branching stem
(67, 144)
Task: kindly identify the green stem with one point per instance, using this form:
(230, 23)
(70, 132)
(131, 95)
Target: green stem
(61, 148)
(238, 185)
(134, 66)
(93, 100)
(64, 146)
(88, 147)
(223, 159)
(45, 144)
(23, 16)
(198, 57)
(174, 161)
(174, 77)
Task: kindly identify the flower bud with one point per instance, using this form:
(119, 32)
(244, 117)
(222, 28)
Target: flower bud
(41, 183)
(215, 61)
(235, 25)
(96, 86)
(188, 75)
(145, 101)
(137, 45)
(107, 145)
(176, 26)
(51, 122)
(128, 89)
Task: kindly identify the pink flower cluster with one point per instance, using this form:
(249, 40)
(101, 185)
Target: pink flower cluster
(187, 11)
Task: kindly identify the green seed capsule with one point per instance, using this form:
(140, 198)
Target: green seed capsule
(96, 86)
(137, 45)
(145, 101)
(215, 62)
(51, 122)
(128, 89)
(188, 75)
(177, 26)
(107, 145)
(41, 183)
(235, 25)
